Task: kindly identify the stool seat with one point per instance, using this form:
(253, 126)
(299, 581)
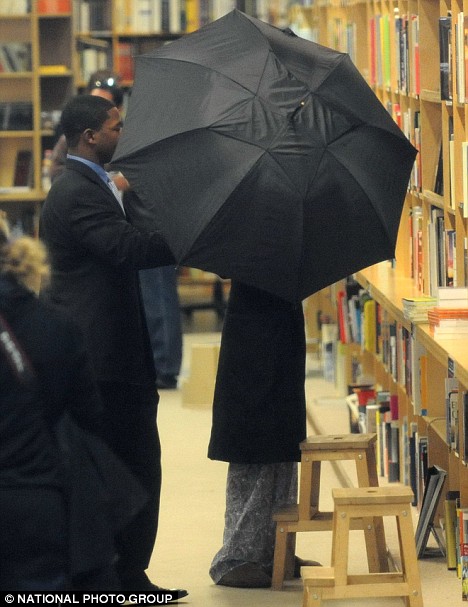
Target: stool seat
(306, 515)
(335, 582)
(337, 441)
(372, 495)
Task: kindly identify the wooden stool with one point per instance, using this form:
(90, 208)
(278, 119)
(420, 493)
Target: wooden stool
(321, 583)
(306, 516)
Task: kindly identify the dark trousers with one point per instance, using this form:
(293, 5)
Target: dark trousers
(33, 540)
(162, 312)
(130, 428)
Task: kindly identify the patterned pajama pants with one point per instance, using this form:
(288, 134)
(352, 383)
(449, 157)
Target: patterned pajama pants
(253, 493)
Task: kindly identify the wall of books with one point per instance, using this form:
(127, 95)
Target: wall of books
(403, 324)
(111, 32)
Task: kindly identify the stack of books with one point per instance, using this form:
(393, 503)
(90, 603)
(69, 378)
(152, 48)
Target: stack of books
(415, 309)
(448, 322)
(449, 318)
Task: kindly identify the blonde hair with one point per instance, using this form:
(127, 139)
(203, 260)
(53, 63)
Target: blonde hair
(24, 259)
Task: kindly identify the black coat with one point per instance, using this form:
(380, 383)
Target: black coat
(95, 255)
(54, 345)
(32, 452)
(259, 412)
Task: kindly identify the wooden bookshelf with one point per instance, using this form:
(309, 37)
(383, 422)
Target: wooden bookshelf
(369, 31)
(109, 33)
(32, 94)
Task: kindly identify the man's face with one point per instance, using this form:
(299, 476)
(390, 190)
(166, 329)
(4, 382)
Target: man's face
(108, 135)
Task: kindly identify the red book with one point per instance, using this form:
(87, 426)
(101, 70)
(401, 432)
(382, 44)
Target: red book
(125, 66)
(48, 7)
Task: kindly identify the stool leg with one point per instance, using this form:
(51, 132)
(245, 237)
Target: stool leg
(409, 558)
(373, 528)
(309, 487)
(340, 546)
(279, 559)
(312, 597)
(290, 555)
(376, 556)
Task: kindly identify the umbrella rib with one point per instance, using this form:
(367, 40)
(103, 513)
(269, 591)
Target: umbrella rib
(341, 57)
(239, 84)
(209, 69)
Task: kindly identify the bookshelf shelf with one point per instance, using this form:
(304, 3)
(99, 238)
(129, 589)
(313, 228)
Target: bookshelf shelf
(15, 134)
(430, 96)
(46, 16)
(15, 75)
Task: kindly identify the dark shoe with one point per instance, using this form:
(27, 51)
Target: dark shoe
(175, 593)
(141, 584)
(298, 563)
(247, 575)
(166, 382)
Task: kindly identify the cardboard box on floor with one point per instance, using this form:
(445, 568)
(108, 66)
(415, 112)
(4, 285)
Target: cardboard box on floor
(198, 388)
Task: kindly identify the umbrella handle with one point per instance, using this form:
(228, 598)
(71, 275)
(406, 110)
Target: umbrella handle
(299, 107)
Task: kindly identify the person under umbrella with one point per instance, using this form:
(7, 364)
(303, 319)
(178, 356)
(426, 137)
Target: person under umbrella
(259, 419)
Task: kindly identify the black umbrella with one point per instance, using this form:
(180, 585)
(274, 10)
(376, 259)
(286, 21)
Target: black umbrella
(264, 157)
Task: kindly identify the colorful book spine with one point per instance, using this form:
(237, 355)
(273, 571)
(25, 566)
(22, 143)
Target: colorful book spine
(450, 517)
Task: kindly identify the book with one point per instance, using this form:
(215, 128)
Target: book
(417, 351)
(439, 174)
(452, 297)
(369, 326)
(460, 57)
(416, 309)
(463, 550)
(394, 453)
(16, 116)
(23, 175)
(465, 177)
(434, 481)
(421, 467)
(445, 28)
(464, 449)
(451, 411)
(15, 7)
(143, 18)
(451, 258)
(415, 63)
(450, 518)
(125, 61)
(49, 7)
(192, 12)
(404, 451)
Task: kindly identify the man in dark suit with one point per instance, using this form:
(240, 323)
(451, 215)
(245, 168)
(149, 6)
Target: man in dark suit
(95, 256)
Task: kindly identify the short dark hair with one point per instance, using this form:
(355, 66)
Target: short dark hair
(84, 112)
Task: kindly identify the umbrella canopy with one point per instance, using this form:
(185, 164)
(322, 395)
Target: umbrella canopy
(263, 157)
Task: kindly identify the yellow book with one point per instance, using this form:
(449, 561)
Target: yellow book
(370, 320)
(450, 511)
(192, 15)
(378, 445)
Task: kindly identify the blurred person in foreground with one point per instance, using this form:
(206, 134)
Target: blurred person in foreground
(96, 254)
(44, 373)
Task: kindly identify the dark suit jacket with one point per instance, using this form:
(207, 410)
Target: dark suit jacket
(95, 255)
